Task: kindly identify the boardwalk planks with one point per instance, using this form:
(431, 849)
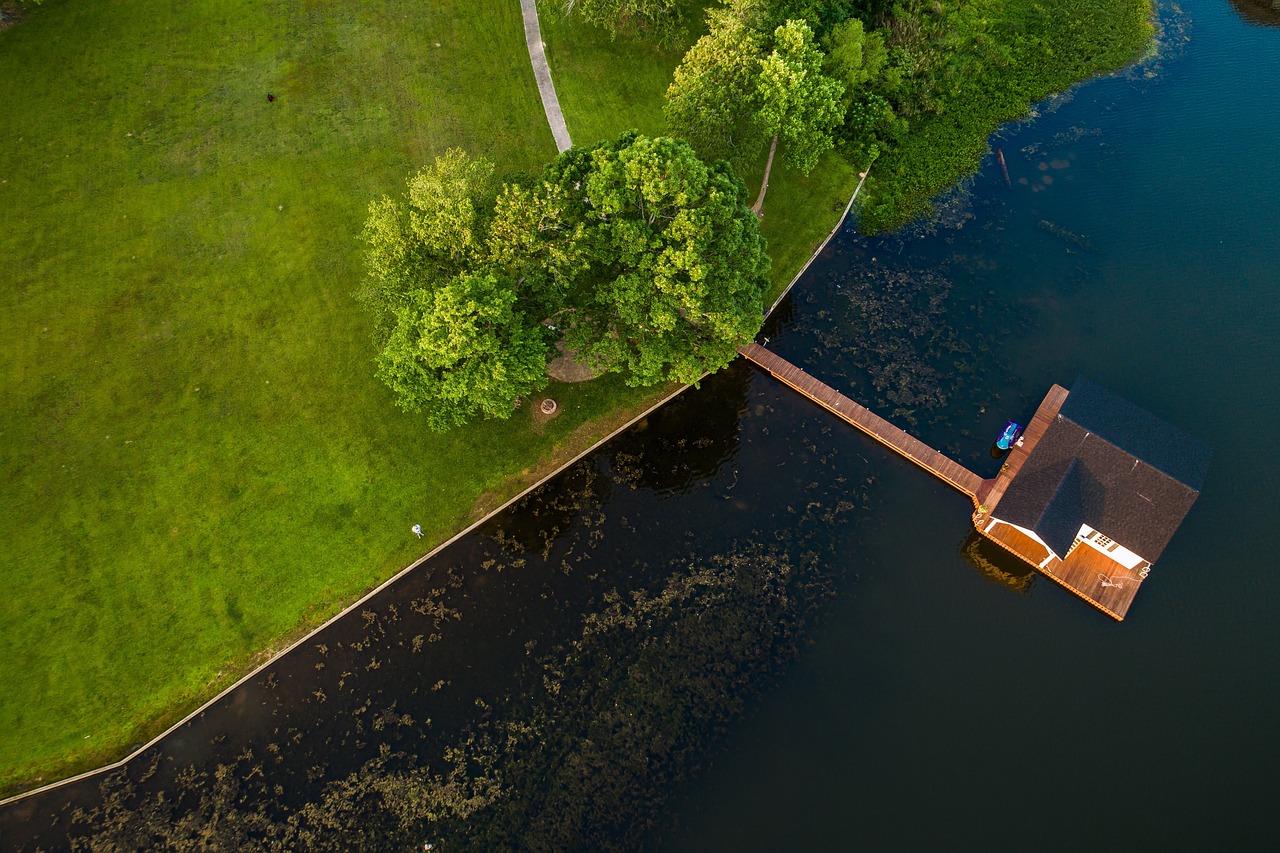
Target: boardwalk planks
(1099, 581)
(866, 420)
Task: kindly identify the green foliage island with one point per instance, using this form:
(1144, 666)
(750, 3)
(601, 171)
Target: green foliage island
(208, 449)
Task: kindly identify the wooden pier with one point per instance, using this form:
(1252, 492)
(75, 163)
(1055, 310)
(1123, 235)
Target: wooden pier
(866, 420)
(1084, 570)
(993, 489)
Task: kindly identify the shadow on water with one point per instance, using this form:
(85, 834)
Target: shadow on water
(996, 564)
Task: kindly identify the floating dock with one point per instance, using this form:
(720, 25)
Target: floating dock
(1087, 563)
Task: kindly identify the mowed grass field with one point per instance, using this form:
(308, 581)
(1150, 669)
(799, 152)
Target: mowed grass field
(195, 459)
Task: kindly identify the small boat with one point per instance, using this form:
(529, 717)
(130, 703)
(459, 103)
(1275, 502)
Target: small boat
(1009, 436)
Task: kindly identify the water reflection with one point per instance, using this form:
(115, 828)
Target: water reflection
(996, 564)
(693, 445)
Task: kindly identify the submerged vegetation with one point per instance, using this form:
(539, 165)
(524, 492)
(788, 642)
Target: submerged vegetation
(581, 758)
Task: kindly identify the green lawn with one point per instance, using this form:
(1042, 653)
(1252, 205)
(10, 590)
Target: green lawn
(195, 458)
(196, 462)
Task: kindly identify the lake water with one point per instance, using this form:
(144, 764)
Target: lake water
(937, 707)
(918, 695)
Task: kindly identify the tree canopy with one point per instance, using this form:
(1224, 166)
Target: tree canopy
(432, 234)
(739, 87)
(463, 349)
(642, 257)
(679, 267)
(798, 103)
(711, 101)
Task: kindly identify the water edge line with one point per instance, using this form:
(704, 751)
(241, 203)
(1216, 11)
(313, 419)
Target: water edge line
(119, 763)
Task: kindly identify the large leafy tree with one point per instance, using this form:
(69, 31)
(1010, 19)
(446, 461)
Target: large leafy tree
(537, 242)
(854, 56)
(678, 267)
(647, 259)
(463, 349)
(431, 235)
(711, 101)
(458, 274)
(798, 103)
(737, 89)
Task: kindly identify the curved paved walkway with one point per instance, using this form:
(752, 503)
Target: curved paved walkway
(538, 56)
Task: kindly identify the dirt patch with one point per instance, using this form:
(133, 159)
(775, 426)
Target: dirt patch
(543, 410)
(567, 368)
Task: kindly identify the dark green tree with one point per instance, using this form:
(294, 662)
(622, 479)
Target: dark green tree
(464, 349)
(678, 266)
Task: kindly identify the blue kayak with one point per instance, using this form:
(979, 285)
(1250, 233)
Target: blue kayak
(1009, 436)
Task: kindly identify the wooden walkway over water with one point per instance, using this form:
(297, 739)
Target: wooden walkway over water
(866, 420)
(1099, 581)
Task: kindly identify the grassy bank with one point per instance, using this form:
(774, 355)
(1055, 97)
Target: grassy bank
(196, 462)
(1016, 52)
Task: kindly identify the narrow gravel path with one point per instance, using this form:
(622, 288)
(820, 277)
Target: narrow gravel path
(537, 56)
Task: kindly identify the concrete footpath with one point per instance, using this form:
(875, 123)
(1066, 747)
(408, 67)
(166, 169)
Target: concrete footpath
(542, 71)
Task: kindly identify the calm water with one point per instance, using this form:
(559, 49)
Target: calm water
(938, 700)
(937, 707)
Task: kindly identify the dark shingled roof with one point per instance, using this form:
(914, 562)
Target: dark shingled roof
(1138, 432)
(1106, 463)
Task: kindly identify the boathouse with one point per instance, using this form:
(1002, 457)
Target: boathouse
(1090, 495)
(1096, 495)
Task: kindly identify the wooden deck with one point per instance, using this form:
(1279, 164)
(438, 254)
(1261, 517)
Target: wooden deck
(864, 419)
(1088, 573)
(992, 490)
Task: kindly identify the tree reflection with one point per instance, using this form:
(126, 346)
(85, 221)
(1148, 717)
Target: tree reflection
(699, 435)
(996, 564)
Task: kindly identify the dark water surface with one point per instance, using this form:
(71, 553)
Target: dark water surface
(943, 701)
(937, 711)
